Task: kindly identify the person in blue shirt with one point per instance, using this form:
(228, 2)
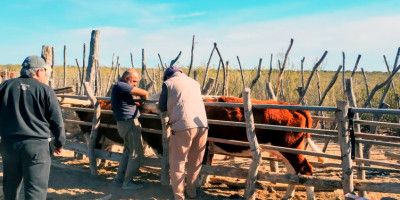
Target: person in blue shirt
(126, 113)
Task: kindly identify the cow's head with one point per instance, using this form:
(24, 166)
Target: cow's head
(305, 168)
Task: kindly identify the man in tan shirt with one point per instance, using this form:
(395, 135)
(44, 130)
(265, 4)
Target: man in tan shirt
(181, 99)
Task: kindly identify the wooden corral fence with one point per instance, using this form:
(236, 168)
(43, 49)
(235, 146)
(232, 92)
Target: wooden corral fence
(341, 135)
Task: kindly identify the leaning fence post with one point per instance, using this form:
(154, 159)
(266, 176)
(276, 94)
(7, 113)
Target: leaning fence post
(165, 179)
(270, 91)
(255, 149)
(95, 128)
(344, 141)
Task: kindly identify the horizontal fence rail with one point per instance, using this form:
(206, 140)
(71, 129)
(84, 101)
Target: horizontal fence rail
(376, 111)
(374, 123)
(272, 127)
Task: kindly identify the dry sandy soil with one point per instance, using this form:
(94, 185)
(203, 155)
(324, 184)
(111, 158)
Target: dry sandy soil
(71, 179)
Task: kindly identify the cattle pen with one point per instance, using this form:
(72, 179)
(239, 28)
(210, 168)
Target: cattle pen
(345, 113)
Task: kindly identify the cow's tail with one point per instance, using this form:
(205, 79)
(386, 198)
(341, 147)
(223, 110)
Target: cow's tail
(313, 146)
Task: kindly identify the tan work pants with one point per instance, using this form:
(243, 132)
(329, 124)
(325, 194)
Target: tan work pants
(129, 165)
(187, 145)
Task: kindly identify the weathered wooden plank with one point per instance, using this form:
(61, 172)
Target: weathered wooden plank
(64, 89)
(392, 155)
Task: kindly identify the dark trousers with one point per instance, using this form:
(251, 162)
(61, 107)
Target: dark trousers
(27, 160)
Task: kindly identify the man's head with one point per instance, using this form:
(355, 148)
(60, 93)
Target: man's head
(171, 71)
(35, 67)
(131, 77)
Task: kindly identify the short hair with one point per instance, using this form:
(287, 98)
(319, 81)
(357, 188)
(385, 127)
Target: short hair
(124, 75)
(29, 72)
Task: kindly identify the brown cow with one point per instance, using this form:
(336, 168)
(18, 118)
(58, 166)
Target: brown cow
(295, 163)
(283, 117)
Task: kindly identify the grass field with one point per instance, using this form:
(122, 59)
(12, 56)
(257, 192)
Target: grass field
(291, 81)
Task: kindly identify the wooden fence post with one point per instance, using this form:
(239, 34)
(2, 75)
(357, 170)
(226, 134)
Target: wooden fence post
(223, 70)
(93, 58)
(165, 179)
(209, 87)
(344, 141)
(53, 67)
(208, 64)
(241, 73)
(95, 128)
(6, 75)
(274, 165)
(47, 56)
(226, 79)
(195, 74)
(65, 65)
(359, 152)
(255, 149)
(83, 68)
(311, 75)
(270, 91)
(191, 57)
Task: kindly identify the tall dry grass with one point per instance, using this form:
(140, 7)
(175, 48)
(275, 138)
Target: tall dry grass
(291, 81)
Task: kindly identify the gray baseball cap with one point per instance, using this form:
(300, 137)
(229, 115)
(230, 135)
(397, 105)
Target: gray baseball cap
(34, 62)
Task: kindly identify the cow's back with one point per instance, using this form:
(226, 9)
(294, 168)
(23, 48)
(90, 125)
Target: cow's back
(282, 117)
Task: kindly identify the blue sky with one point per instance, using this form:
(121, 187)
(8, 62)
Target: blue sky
(248, 29)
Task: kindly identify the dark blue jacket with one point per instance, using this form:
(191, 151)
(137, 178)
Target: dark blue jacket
(30, 109)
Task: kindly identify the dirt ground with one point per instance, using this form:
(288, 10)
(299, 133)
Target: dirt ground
(71, 179)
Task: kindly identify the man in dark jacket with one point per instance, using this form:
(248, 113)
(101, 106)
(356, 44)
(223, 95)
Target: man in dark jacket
(29, 114)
